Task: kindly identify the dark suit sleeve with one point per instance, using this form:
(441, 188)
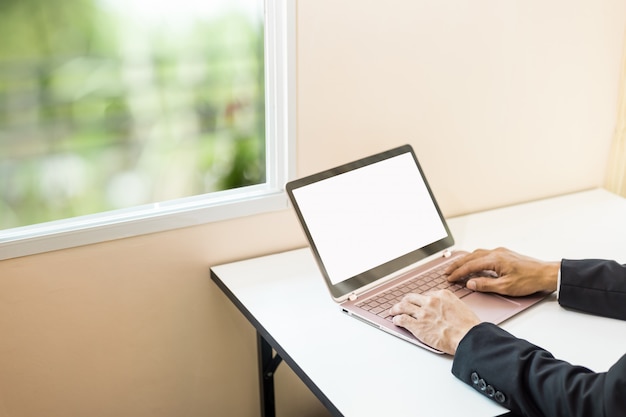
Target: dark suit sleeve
(594, 286)
(529, 381)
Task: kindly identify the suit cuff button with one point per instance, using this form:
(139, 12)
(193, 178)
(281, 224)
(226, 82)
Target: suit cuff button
(499, 397)
(474, 377)
(490, 391)
(482, 385)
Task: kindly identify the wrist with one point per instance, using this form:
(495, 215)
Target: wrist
(551, 275)
(464, 336)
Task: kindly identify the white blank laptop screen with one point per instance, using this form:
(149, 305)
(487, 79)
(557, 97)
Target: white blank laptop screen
(368, 216)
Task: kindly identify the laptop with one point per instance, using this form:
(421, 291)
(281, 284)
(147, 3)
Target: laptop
(376, 232)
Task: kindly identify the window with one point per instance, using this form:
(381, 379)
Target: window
(122, 118)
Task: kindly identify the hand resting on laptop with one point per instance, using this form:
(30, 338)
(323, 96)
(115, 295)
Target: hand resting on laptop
(441, 320)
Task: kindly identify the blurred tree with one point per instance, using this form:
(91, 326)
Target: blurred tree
(99, 110)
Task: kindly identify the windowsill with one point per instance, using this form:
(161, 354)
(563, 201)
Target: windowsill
(153, 218)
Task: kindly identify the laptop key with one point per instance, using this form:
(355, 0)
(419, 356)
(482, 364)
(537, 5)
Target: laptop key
(462, 292)
(385, 315)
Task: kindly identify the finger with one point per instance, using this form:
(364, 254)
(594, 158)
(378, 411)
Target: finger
(484, 284)
(403, 320)
(417, 299)
(443, 294)
(472, 267)
(410, 304)
(404, 307)
(477, 254)
(455, 264)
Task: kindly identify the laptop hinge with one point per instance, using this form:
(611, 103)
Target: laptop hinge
(447, 253)
(353, 297)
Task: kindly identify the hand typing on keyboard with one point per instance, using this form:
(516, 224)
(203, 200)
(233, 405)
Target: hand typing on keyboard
(439, 319)
(513, 274)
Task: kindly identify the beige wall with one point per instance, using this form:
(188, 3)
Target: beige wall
(504, 101)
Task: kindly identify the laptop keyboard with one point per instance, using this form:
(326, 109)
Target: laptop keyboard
(429, 281)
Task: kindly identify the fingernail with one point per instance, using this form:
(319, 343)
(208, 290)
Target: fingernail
(471, 285)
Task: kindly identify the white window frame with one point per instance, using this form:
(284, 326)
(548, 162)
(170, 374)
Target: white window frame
(279, 24)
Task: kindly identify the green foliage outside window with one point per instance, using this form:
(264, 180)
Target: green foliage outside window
(103, 106)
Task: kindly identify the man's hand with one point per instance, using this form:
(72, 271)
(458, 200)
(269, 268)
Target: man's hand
(439, 319)
(517, 275)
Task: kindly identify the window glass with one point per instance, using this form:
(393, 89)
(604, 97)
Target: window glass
(110, 104)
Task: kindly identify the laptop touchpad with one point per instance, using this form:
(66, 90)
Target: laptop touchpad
(491, 307)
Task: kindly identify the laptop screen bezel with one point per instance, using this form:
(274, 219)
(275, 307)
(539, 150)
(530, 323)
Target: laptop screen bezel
(343, 289)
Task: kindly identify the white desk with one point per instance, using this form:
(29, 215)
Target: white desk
(285, 298)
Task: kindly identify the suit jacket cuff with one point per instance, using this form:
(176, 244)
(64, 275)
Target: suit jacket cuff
(487, 359)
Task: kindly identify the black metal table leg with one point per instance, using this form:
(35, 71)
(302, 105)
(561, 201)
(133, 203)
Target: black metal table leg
(268, 362)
